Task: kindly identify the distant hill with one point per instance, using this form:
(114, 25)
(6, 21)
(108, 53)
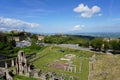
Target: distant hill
(97, 34)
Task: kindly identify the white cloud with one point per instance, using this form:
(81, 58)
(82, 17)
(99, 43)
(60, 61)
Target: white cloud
(1, 29)
(100, 14)
(9, 23)
(77, 27)
(85, 11)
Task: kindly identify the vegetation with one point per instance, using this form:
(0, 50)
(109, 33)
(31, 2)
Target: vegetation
(23, 78)
(7, 46)
(33, 49)
(34, 37)
(69, 39)
(106, 67)
(106, 45)
(45, 58)
(97, 43)
(115, 45)
(85, 70)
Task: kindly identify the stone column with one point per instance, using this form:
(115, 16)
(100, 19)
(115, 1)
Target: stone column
(29, 70)
(12, 61)
(68, 68)
(20, 68)
(80, 69)
(16, 63)
(71, 68)
(74, 68)
(65, 68)
(6, 66)
(92, 66)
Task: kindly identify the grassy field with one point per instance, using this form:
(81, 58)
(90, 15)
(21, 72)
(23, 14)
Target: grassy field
(51, 54)
(23, 78)
(106, 67)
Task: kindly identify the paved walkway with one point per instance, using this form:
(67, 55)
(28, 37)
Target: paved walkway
(74, 46)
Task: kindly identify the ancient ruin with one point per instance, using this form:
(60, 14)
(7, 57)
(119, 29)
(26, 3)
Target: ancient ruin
(21, 64)
(23, 68)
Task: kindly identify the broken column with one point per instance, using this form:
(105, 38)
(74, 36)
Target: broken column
(12, 61)
(21, 64)
(6, 66)
(75, 68)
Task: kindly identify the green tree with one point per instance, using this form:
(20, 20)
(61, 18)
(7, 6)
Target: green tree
(6, 46)
(2, 45)
(34, 36)
(97, 43)
(115, 45)
(13, 43)
(106, 45)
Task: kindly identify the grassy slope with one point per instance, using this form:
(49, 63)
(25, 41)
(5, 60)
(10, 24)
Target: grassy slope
(50, 54)
(85, 69)
(23, 78)
(107, 67)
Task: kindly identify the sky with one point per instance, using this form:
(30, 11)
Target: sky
(60, 16)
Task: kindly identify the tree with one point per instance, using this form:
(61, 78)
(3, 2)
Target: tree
(2, 45)
(106, 45)
(3, 38)
(6, 46)
(12, 43)
(34, 36)
(58, 39)
(115, 45)
(97, 43)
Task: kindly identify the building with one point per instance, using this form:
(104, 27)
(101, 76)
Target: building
(40, 37)
(16, 38)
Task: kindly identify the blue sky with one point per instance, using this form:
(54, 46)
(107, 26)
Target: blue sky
(51, 16)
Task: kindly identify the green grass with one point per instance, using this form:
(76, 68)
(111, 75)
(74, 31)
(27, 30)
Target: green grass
(106, 67)
(47, 56)
(23, 78)
(28, 50)
(85, 70)
(50, 54)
